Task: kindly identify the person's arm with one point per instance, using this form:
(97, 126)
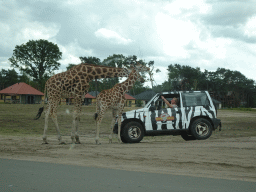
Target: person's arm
(170, 105)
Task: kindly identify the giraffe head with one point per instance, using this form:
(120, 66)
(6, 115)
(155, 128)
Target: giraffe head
(140, 78)
(141, 68)
(125, 72)
(134, 71)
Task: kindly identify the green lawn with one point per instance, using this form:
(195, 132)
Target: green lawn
(18, 119)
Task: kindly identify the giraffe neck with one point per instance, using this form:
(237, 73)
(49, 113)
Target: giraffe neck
(128, 83)
(91, 71)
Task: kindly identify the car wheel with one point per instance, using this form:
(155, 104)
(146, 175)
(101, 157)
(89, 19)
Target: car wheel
(123, 139)
(132, 132)
(201, 129)
(187, 137)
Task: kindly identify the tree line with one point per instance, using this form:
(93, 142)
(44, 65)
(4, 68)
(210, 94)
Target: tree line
(223, 84)
(38, 59)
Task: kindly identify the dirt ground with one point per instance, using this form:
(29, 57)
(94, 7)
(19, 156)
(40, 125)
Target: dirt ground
(217, 157)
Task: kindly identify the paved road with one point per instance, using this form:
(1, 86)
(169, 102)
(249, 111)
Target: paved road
(26, 176)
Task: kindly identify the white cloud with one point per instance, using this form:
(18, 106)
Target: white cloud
(72, 52)
(175, 34)
(198, 33)
(250, 27)
(179, 6)
(37, 30)
(112, 36)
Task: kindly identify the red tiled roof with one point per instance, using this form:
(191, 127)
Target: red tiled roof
(129, 97)
(21, 89)
(88, 96)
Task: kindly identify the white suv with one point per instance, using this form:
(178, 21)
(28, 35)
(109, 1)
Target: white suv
(194, 118)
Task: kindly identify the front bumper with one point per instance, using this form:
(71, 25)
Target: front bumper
(216, 124)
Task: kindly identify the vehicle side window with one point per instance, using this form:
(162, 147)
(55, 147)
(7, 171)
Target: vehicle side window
(161, 104)
(195, 99)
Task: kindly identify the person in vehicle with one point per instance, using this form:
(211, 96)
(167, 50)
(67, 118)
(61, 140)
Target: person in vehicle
(173, 103)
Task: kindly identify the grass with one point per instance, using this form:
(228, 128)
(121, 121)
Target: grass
(241, 109)
(18, 119)
(237, 123)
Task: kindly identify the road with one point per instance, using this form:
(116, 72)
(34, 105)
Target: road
(26, 176)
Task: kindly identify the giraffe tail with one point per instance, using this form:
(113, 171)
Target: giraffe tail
(95, 116)
(40, 111)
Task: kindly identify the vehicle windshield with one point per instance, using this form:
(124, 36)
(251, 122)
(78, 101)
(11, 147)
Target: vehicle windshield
(152, 101)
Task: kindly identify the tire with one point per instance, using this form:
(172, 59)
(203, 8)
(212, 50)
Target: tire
(123, 139)
(187, 137)
(201, 129)
(132, 132)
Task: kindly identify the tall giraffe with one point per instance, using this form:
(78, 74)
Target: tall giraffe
(73, 83)
(114, 99)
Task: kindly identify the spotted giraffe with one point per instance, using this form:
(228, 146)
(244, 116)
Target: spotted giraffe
(73, 83)
(114, 99)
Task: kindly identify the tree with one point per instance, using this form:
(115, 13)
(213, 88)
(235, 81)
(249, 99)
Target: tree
(90, 60)
(8, 78)
(151, 72)
(116, 60)
(36, 58)
(24, 78)
(184, 77)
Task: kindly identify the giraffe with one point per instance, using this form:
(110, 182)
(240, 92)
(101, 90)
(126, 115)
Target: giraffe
(73, 83)
(114, 99)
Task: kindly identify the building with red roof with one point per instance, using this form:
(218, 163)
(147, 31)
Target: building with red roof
(21, 93)
(130, 101)
(91, 99)
(88, 99)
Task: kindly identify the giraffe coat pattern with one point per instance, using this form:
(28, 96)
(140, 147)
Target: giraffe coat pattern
(74, 83)
(114, 99)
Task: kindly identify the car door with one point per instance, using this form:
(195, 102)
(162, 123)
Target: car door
(162, 118)
(194, 104)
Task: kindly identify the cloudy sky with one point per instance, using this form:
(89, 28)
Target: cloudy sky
(199, 33)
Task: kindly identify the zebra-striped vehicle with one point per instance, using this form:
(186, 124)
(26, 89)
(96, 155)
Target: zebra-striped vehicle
(194, 117)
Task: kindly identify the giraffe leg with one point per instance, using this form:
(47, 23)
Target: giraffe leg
(54, 119)
(47, 112)
(74, 133)
(119, 127)
(120, 111)
(98, 121)
(114, 113)
(76, 119)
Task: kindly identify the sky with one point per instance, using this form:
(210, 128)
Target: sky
(209, 34)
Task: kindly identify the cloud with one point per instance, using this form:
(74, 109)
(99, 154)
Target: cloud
(250, 27)
(17, 27)
(199, 33)
(175, 34)
(112, 36)
(231, 19)
(72, 52)
(230, 13)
